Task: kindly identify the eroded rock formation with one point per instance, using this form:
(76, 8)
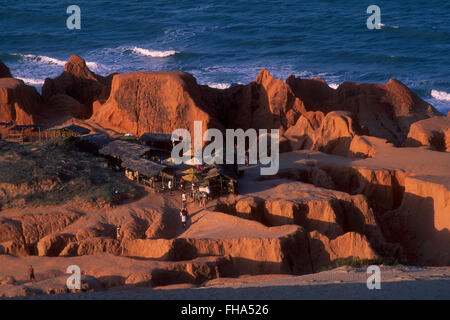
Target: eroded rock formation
(4, 71)
(433, 132)
(19, 103)
(155, 102)
(78, 82)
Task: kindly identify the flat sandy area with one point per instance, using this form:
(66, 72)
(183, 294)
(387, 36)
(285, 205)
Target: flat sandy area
(397, 282)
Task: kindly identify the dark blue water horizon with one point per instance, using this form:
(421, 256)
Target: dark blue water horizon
(223, 43)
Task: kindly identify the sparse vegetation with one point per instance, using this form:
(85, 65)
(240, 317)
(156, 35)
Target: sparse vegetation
(54, 172)
(360, 263)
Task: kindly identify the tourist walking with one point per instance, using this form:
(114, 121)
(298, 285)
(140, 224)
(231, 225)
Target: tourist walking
(183, 215)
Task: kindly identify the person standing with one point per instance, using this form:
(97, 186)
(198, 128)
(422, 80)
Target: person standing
(183, 215)
(192, 190)
(169, 185)
(31, 273)
(204, 199)
(183, 199)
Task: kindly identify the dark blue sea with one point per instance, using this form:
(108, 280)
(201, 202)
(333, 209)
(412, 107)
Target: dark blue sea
(227, 42)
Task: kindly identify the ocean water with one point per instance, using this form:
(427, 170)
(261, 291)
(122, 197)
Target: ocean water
(226, 42)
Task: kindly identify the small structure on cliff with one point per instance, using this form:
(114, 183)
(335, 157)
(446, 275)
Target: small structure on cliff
(4, 129)
(71, 130)
(158, 140)
(119, 150)
(23, 133)
(144, 164)
(221, 180)
(93, 142)
(143, 171)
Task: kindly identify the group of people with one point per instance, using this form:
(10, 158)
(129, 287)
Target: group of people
(196, 195)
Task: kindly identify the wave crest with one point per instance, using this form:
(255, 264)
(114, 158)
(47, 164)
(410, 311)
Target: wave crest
(219, 85)
(333, 85)
(42, 59)
(440, 95)
(154, 53)
(53, 61)
(32, 81)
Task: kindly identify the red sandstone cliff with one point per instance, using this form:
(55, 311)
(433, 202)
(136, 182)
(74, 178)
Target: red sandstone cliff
(4, 71)
(18, 102)
(78, 82)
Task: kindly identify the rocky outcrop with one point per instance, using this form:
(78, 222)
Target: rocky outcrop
(19, 103)
(407, 189)
(254, 249)
(265, 103)
(34, 233)
(155, 102)
(104, 271)
(143, 101)
(139, 100)
(351, 245)
(336, 134)
(79, 83)
(422, 223)
(61, 106)
(381, 110)
(433, 132)
(4, 71)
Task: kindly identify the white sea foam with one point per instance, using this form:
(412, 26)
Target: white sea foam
(31, 81)
(94, 66)
(219, 85)
(382, 25)
(333, 85)
(41, 59)
(154, 53)
(440, 95)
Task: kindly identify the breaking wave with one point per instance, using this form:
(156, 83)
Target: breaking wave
(41, 59)
(154, 53)
(333, 85)
(219, 85)
(440, 95)
(94, 66)
(32, 82)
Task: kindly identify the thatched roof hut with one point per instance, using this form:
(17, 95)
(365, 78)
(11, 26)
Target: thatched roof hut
(71, 129)
(159, 140)
(143, 167)
(124, 150)
(93, 142)
(19, 127)
(221, 171)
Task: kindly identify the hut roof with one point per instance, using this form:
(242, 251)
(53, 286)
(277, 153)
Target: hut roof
(71, 127)
(124, 150)
(143, 166)
(157, 137)
(97, 141)
(221, 171)
(24, 126)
